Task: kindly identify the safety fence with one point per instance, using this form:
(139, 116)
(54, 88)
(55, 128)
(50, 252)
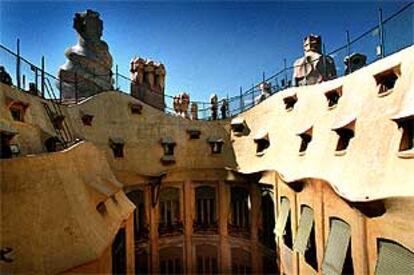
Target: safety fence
(387, 37)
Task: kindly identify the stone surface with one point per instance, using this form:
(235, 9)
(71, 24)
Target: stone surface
(148, 81)
(88, 69)
(313, 67)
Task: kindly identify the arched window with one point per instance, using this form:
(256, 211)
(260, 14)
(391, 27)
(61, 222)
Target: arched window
(269, 263)
(141, 262)
(171, 260)
(393, 258)
(240, 261)
(140, 223)
(53, 144)
(266, 234)
(169, 210)
(205, 208)
(206, 259)
(119, 253)
(240, 210)
(338, 252)
(6, 135)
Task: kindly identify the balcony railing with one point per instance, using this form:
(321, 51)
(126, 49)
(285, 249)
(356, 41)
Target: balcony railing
(170, 229)
(208, 228)
(267, 238)
(142, 234)
(239, 231)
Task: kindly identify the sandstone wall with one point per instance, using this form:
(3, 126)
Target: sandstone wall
(49, 209)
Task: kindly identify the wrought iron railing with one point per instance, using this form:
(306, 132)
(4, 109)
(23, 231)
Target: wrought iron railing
(168, 229)
(205, 227)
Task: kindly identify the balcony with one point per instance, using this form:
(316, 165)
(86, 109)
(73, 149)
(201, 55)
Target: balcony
(239, 231)
(267, 238)
(142, 234)
(205, 228)
(170, 229)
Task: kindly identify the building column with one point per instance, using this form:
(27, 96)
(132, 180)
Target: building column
(276, 208)
(224, 203)
(254, 227)
(188, 203)
(130, 244)
(152, 215)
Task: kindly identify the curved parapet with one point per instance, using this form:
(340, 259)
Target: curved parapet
(59, 210)
(353, 132)
(151, 140)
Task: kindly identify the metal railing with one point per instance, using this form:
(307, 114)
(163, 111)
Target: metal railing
(387, 37)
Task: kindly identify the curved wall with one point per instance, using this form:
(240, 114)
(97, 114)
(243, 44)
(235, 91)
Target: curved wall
(370, 164)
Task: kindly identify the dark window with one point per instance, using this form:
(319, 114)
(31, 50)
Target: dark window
(216, 147)
(290, 102)
(216, 144)
(348, 264)
(119, 253)
(261, 145)
(240, 261)
(141, 262)
(237, 128)
(52, 144)
(168, 144)
(305, 140)
(266, 234)
(136, 108)
(171, 260)
(17, 112)
(310, 253)
(386, 80)
(270, 265)
(333, 97)
(407, 139)
(345, 136)
(140, 223)
(15, 149)
(117, 146)
(118, 150)
(206, 259)
(87, 119)
(169, 210)
(205, 207)
(5, 149)
(169, 149)
(287, 236)
(101, 208)
(194, 134)
(240, 207)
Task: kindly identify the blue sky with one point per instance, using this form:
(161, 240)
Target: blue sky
(206, 46)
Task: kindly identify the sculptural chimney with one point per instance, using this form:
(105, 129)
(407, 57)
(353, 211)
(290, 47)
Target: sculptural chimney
(88, 69)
